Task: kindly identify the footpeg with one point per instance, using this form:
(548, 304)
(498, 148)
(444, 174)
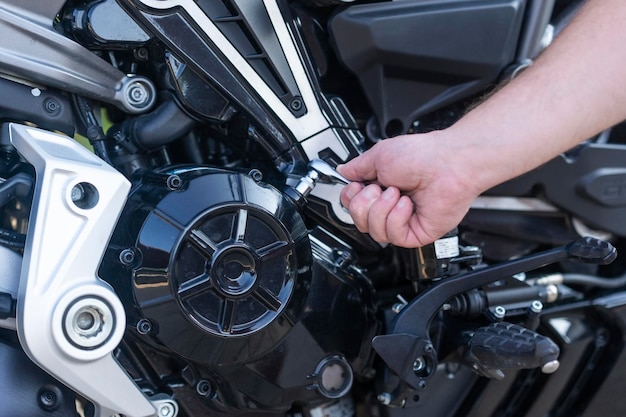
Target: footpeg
(502, 346)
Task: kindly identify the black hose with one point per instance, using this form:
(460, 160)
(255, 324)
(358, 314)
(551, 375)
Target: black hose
(594, 281)
(151, 131)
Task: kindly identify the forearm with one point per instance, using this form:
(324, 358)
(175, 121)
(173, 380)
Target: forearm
(574, 90)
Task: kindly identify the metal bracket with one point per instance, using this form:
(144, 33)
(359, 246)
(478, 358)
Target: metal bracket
(69, 321)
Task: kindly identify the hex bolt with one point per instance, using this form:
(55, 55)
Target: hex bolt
(499, 312)
(77, 193)
(256, 175)
(296, 104)
(137, 94)
(167, 409)
(144, 326)
(536, 306)
(50, 397)
(419, 364)
(174, 182)
(52, 107)
(127, 256)
(421, 385)
(203, 388)
(88, 322)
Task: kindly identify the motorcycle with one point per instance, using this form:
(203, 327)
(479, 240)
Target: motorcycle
(172, 238)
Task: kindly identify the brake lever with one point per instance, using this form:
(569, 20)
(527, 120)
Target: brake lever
(408, 340)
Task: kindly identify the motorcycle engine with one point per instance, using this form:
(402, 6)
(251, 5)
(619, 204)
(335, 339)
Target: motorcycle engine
(216, 270)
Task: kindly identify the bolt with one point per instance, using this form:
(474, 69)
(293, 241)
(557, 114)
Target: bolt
(419, 364)
(88, 323)
(428, 348)
(296, 104)
(52, 107)
(127, 256)
(499, 312)
(50, 397)
(203, 387)
(174, 182)
(77, 193)
(138, 95)
(167, 409)
(141, 54)
(144, 326)
(536, 306)
(256, 175)
(421, 385)
(384, 398)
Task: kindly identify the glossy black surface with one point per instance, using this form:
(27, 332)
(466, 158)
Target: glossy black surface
(223, 276)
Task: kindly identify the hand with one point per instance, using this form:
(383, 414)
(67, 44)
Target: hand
(407, 190)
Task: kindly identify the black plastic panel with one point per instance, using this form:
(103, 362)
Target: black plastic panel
(589, 184)
(415, 56)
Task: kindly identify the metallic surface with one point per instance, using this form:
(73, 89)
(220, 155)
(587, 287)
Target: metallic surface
(61, 258)
(31, 49)
(312, 130)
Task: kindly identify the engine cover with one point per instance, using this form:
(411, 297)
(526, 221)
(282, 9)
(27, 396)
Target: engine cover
(220, 272)
(220, 260)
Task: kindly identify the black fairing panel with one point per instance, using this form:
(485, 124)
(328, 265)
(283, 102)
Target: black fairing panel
(415, 56)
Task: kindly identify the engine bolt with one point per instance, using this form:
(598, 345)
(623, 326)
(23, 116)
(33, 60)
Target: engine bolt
(144, 326)
(536, 306)
(137, 94)
(50, 397)
(127, 256)
(419, 364)
(88, 323)
(256, 175)
(499, 312)
(174, 182)
(203, 387)
(296, 104)
(167, 409)
(52, 107)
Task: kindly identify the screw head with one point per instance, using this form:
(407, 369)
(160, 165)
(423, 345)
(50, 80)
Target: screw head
(419, 364)
(127, 256)
(88, 323)
(144, 326)
(167, 409)
(296, 104)
(536, 306)
(174, 182)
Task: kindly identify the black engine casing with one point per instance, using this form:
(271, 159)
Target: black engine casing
(219, 271)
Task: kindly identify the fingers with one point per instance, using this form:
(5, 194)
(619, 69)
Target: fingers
(379, 212)
(361, 168)
(398, 223)
(360, 205)
(376, 212)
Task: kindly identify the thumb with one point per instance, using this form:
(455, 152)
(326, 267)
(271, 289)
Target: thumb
(362, 168)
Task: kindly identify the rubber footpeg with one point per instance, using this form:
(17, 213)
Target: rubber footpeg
(592, 250)
(502, 345)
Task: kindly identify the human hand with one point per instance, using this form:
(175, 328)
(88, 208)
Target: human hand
(407, 190)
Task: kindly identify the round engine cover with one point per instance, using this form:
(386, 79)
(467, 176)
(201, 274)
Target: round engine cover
(224, 265)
